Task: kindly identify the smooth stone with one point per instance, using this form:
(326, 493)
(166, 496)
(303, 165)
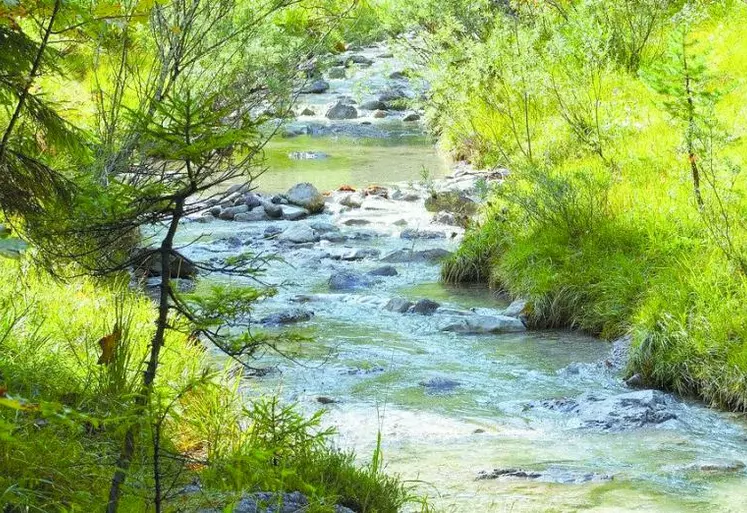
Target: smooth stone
(392, 95)
(484, 324)
(717, 466)
(308, 112)
(293, 213)
(251, 200)
(414, 233)
(398, 305)
(227, 214)
(380, 114)
(179, 265)
(316, 87)
(517, 308)
(348, 280)
(324, 227)
(307, 196)
(373, 105)
(272, 231)
(402, 256)
(299, 234)
(357, 222)
(357, 254)
(424, 307)
(206, 218)
(292, 316)
(413, 116)
(256, 214)
(360, 59)
(342, 111)
(272, 210)
(387, 270)
(352, 200)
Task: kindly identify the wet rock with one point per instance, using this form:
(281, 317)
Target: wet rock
(308, 112)
(392, 95)
(359, 59)
(150, 263)
(307, 196)
(342, 111)
(398, 305)
(386, 270)
(414, 233)
(373, 105)
(517, 308)
(324, 227)
(215, 210)
(451, 201)
(265, 502)
(272, 210)
(353, 200)
(397, 75)
(446, 218)
(292, 316)
(333, 237)
(380, 114)
(632, 410)
(251, 200)
(272, 231)
(256, 214)
(717, 466)
(412, 116)
(353, 254)
(635, 381)
(228, 214)
(316, 87)
(377, 191)
(439, 385)
(298, 234)
(293, 213)
(338, 72)
(400, 222)
(402, 256)
(364, 372)
(551, 475)
(308, 155)
(485, 324)
(424, 307)
(348, 280)
(206, 218)
(357, 222)
(620, 353)
(326, 400)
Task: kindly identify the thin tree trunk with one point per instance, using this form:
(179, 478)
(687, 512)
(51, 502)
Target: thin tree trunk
(149, 375)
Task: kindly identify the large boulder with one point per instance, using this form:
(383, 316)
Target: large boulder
(348, 280)
(342, 111)
(485, 324)
(307, 196)
(316, 87)
(292, 316)
(424, 307)
(299, 234)
(386, 270)
(255, 214)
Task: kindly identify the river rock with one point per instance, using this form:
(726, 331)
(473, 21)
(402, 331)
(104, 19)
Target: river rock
(307, 196)
(228, 214)
(206, 218)
(635, 381)
(485, 324)
(397, 75)
(387, 270)
(517, 308)
(349, 280)
(316, 87)
(324, 227)
(338, 72)
(307, 155)
(308, 112)
(359, 59)
(380, 114)
(393, 94)
(373, 105)
(357, 222)
(446, 218)
(412, 116)
(632, 410)
(149, 262)
(272, 231)
(551, 475)
(251, 200)
(256, 214)
(414, 233)
(424, 307)
(292, 316)
(342, 111)
(299, 234)
(402, 256)
(293, 213)
(273, 210)
(356, 254)
(717, 466)
(398, 305)
(352, 200)
(439, 385)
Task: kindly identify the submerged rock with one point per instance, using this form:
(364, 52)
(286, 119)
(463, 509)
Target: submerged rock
(307, 155)
(424, 307)
(414, 233)
(387, 270)
(439, 385)
(717, 466)
(299, 234)
(398, 305)
(292, 316)
(551, 475)
(402, 256)
(485, 324)
(632, 410)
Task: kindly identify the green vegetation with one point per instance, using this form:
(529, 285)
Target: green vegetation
(622, 125)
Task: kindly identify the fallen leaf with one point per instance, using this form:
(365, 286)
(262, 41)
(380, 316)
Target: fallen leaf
(108, 346)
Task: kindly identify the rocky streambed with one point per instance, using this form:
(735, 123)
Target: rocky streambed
(479, 413)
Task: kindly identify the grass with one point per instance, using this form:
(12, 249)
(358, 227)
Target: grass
(616, 245)
(63, 415)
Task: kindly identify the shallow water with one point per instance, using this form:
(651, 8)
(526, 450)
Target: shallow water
(373, 362)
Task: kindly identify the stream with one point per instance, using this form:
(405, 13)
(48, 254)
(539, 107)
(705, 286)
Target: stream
(514, 421)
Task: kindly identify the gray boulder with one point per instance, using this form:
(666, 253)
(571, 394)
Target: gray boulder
(150, 263)
(386, 270)
(439, 385)
(342, 111)
(299, 234)
(227, 214)
(316, 87)
(360, 59)
(256, 214)
(485, 324)
(424, 307)
(373, 105)
(251, 200)
(307, 196)
(412, 116)
(348, 280)
(324, 227)
(352, 200)
(293, 213)
(517, 308)
(398, 305)
(272, 210)
(292, 316)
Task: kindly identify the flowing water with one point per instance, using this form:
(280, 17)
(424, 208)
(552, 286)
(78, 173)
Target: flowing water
(373, 363)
